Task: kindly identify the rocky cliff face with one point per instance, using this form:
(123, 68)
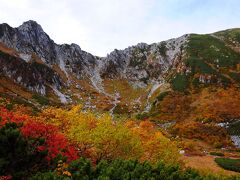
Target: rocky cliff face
(29, 39)
(33, 60)
(141, 65)
(33, 76)
(145, 63)
(189, 81)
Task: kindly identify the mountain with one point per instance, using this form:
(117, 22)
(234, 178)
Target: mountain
(190, 83)
(66, 73)
(44, 67)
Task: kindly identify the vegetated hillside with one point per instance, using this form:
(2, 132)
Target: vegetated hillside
(185, 91)
(60, 143)
(210, 70)
(187, 85)
(210, 59)
(86, 78)
(204, 92)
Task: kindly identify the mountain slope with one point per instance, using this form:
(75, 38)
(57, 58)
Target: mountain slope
(77, 71)
(67, 73)
(186, 85)
(210, 60)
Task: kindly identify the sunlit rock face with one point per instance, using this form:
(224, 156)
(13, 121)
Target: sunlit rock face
(141, 64)
(33, 76)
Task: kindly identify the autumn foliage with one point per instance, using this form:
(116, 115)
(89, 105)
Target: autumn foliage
(213, 104)
(210, 133)
(196, 114)
(99, 137)
(55, 143)
(7, 116)
(71, 133)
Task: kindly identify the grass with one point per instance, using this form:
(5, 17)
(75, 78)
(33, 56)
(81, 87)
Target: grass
(229, 164)
(128, 97)
(206, 165)
(18, 101)
(230, 35)
(180, 82)
(212, 50)
(208, 56)
(142, 116)
(199, 66)
(162, 95)
(41, 99)
(216, 154)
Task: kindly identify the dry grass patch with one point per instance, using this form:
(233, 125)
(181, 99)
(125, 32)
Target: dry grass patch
(206, 165)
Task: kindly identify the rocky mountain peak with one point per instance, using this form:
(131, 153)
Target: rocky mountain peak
(72, 74)
(28, 39)
(30, 26)
(140, 65)
(75, 46)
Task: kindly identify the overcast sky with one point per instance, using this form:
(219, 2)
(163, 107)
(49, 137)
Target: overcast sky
(100, 26)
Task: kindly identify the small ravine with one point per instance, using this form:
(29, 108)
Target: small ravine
(97, 84)
(153, 89)
(115, 103)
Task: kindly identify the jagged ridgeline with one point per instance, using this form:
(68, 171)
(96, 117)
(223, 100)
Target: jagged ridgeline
(173, 101)
(125, 81)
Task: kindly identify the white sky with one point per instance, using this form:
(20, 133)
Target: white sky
(100, 26)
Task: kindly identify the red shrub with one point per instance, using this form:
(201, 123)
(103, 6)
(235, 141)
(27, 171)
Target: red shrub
(55, 142)
(9, 116)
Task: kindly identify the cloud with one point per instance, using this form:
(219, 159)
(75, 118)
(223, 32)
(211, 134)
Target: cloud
(100, 26)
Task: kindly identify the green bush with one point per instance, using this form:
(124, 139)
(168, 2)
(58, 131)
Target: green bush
(124, 169)
(142, 116)
(210, 49)
(48, 176)
(198, 65)
(162, 95)
(81, 169)
(229, 164)
(180, 82)
(216, 154)
(41, 99)
(18, 156)
(207, 55)
(127, 169)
